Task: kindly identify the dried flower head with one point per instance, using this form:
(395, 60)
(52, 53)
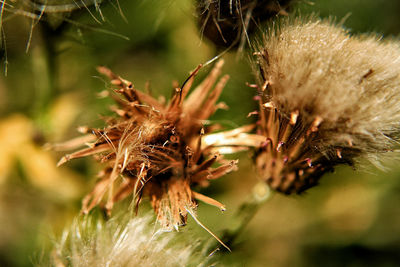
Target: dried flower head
(227, 22)
(123, 241)
(326, 98)
(155, 149)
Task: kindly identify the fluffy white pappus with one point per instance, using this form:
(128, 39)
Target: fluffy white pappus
(123, 241)
(351, 83)
(326, 97)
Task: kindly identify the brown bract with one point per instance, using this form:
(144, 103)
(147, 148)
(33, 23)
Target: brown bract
(155, 150)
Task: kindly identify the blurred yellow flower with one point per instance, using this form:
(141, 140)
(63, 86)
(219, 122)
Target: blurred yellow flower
(39, 166)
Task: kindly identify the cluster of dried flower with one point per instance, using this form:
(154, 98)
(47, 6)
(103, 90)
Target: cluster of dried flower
(325, 97)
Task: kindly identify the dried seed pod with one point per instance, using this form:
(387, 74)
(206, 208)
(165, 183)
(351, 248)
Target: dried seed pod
(227, 22)
(154, 149)
(326, 98)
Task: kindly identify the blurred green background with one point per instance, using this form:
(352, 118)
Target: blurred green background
(51, 87)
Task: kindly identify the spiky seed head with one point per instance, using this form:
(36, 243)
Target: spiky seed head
(326, 98)
(227, 22)
(155, 150)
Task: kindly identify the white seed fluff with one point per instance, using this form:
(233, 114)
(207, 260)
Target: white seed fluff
(352, 83)
(122, 242)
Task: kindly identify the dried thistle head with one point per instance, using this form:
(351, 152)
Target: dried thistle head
(227, 22)
(326, 98)
(155, 149)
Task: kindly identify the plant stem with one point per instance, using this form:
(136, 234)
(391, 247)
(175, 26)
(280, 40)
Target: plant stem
(246, 211)
(44, 65)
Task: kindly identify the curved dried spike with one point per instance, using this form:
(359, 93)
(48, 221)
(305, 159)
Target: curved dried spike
(209, 200)
(71, 144)
(84, 153)
(209, 106)
(222, 170)
(206, 164)
(199, 94)
(189, 82)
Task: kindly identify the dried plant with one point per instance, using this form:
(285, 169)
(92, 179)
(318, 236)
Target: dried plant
(326, 98)
(123, 242)
(155, 149)
(227, 22)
